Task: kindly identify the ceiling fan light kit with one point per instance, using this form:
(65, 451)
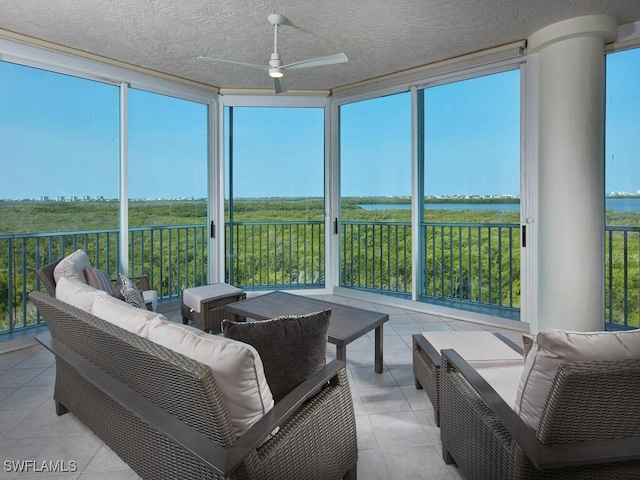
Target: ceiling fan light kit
(275, 68)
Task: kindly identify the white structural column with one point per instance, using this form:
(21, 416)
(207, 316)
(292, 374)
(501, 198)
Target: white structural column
(570, 221)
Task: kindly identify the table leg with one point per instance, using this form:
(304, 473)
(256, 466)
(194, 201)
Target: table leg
(341, 352)
(378, 347)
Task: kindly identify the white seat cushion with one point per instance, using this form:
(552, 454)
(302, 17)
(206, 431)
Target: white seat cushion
(478, 348)
(193, 297)
(236, 366)
(504, 380)
(72, 266)
(555, 347)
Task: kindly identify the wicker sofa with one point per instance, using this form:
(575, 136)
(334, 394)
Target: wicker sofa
(163, 413)
(589, 414)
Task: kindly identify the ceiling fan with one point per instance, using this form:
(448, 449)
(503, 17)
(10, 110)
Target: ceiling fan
(275, 68)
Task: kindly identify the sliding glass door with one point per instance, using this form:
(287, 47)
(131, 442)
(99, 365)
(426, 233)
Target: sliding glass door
(59, 157)
(470, 158)
(167, 185)
(274, 197)
(622, 187)
(375, 195)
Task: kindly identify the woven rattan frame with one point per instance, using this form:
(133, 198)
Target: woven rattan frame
(46, 276)
(316, 441)
(488, 441)
(427, 374)
(426, 368)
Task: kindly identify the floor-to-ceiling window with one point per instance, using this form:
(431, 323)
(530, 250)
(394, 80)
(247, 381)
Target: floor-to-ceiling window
(622, 189)
(375, 195)
(470, 160)
(274, 198)
(168, 190)
(59, 158)
(67, 129)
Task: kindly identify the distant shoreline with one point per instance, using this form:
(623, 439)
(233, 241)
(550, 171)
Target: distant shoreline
(399, 200)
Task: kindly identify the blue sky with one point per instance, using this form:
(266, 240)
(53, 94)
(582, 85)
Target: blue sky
(622, 130)
(277, 151)
(59, 136)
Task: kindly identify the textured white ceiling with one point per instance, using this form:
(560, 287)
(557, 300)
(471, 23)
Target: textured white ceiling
(378, 37)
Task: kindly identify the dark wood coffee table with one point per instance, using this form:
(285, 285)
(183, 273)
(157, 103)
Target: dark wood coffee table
(347, 323)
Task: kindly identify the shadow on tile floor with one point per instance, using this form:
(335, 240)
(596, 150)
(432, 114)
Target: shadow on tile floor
(397, 436)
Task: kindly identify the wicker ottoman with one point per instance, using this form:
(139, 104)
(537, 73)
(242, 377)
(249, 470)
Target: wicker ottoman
(479, 348)
(206, 305)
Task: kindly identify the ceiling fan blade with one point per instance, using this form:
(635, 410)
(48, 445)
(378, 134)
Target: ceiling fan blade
(279, 85)
(243, 64)
(317, 62)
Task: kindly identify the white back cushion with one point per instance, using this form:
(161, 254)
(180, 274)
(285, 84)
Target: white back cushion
(236, 366)
(555, 347)
(77, 293)
(120, 313)
(72, 266)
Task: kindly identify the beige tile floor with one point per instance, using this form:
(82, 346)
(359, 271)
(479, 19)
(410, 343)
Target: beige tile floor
(397, 436)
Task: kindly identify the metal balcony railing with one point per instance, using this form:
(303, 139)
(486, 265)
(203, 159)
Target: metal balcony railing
(470, 263)
(475, 263)
(272, 255)
(174, 257)
(462, 265)
(376, 256)
(622, 277)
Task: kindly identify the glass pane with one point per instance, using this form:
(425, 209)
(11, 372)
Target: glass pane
(59, 152)
(622, 187)
(470, 233)
(59, 157)
(275, 197)
(168, 156)
(375, 195)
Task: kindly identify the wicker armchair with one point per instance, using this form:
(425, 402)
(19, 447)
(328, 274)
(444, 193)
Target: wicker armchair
(590, 428)
(164, 415)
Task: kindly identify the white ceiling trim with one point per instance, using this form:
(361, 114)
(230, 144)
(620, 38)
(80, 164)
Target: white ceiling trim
(419, 75)
(37, 53)
(631, 31)
(628, 37)
(273, 101)
(269, 92)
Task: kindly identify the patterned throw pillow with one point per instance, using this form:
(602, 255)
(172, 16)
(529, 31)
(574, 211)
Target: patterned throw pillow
(292, 348)
(98, 279)
(126, 290)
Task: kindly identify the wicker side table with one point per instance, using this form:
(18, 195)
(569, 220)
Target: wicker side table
(480, 348)
(206, 305)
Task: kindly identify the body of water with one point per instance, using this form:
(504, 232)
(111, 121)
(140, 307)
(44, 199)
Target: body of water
(615, 204)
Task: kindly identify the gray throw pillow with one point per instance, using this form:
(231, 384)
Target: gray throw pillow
(292, 348)
(126, 290)
(98, 279)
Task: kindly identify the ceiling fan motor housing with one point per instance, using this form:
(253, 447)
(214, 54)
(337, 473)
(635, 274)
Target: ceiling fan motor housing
(275, 60)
